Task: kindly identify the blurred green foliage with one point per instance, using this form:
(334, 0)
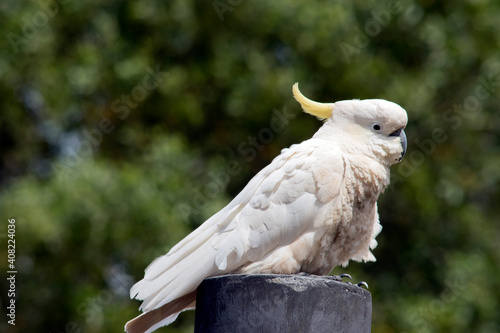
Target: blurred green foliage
(124, 125)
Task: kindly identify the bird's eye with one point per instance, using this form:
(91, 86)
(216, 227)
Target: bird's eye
(376, 127)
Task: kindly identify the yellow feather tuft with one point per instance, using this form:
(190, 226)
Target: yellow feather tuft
(320, 110)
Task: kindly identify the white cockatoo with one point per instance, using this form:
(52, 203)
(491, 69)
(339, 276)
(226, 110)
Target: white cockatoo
(313, 208)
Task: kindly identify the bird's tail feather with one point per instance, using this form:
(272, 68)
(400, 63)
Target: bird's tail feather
(164, 315)
(179, 280)
(185, 281)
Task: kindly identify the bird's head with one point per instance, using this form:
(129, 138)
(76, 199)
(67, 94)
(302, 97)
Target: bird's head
(373, 127)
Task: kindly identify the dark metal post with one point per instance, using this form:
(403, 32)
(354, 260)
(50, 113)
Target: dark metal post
(281, 303)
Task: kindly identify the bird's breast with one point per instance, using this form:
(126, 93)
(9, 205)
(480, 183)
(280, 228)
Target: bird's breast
(345, 229)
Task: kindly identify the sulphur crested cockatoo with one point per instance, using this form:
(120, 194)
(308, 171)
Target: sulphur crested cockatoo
(313, 208)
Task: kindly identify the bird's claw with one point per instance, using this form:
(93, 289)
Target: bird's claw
(345, 275)
(362, 283)
(339, 278)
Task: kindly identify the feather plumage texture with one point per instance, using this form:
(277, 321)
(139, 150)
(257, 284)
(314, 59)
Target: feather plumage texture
(313, 208)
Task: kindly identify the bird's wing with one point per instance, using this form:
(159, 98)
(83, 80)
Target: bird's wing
(276, 206)
(183, 268)
(283, 207)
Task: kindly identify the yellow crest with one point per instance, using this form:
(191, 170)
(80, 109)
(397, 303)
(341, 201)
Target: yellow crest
(320, 110)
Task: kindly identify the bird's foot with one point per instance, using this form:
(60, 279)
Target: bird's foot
(339, 277)
(344, 275)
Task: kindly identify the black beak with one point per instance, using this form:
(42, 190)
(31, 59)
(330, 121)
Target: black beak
(402, 136)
